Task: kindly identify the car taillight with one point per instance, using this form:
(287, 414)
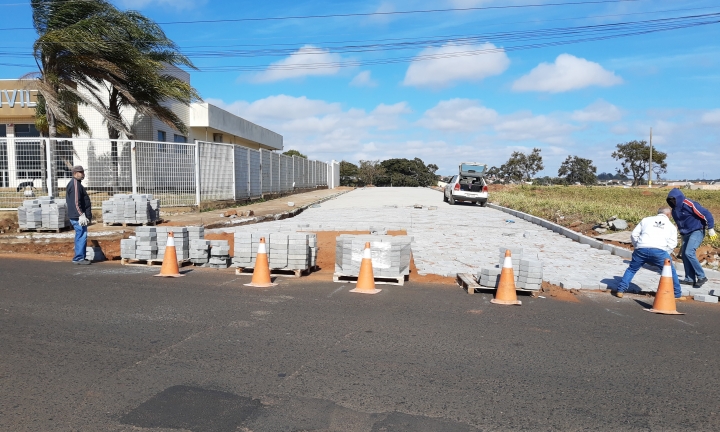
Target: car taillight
(485, 188)
(457, 186)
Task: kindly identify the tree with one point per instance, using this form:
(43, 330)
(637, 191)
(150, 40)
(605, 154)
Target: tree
(521, 166)
(89, 52)
(348, 174)
(368, 171)
(634, 156)
(298, 154)
(576, 169)
(406, 172)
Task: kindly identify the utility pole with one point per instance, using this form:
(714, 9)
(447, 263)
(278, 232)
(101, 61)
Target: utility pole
(650, 162)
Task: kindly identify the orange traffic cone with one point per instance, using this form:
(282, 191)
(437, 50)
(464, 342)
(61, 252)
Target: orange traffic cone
(170, 263)
(505, 294)
(665, 296)
(366, 279)
(261, 272)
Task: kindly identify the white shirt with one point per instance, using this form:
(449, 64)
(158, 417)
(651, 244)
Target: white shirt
(655, 232)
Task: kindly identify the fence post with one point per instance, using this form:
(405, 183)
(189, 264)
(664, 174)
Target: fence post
(133, 167)
(51, 182)
(197, 173)
(234, 174)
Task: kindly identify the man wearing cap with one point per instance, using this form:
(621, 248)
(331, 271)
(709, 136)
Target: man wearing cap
(653, 238)
(692, 220)
(79, 212)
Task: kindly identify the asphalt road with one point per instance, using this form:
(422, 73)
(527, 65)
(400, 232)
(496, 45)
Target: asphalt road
(110, 348)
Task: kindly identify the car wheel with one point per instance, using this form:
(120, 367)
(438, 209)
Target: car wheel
(451, 200)
(445, 199)
(483, 203)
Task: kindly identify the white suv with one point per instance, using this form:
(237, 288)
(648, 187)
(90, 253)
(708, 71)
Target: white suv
(468, 186)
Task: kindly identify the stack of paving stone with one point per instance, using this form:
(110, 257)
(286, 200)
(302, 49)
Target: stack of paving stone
(128, 248)
(54, 215)
(390, 255)
(146, 243)
(531, 274)
(196, 232)
(286, 250)
(182, 242)
(131, 209)
(219, 254)
(94, 253)
(199, 251)
(517, 255)
(43, 212)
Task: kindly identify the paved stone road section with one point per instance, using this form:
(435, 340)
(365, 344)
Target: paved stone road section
(465, 238)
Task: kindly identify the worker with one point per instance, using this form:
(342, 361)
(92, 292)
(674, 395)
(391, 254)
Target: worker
(692, 220)
(654, 238)
(79, 213)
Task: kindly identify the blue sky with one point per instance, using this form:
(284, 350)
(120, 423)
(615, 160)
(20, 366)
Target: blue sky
(450, 99)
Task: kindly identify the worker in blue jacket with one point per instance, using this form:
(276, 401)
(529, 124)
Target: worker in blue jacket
(692, 220)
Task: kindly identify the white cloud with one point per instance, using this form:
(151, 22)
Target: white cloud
(452, 63)
(458, 115)
(598, 111)
(318, 128)
(524, 126)
(280, 107)
(567, 73)
(176, 4)
(711, 117)
(300, 64)
(363, 79)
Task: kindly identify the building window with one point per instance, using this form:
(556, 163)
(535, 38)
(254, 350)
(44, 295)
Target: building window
(179, 139)
(26, 131)
(28, 160)
(217, 137)
(3, 130)
(162, 136)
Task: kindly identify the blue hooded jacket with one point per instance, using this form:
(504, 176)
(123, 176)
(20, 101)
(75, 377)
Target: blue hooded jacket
(689, 215)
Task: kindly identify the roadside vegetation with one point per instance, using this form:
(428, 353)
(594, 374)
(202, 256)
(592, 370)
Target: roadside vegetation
(566, 205)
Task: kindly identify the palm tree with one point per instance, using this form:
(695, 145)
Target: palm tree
(88, 52)
(147, 87)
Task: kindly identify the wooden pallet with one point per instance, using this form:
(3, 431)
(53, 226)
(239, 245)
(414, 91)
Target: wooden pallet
(468, 282)
(343, 278)
(41, 229)
(276, 272)
(150, 263)
(127, 224)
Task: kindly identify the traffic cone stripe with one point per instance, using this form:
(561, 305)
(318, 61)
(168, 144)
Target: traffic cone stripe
(665, 296)
(366, 278)
(507, 262)
(170, 240)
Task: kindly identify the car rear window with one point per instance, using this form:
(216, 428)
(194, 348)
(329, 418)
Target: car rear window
(472, 169)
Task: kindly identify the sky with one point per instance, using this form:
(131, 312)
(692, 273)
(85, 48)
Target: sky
(474, 80)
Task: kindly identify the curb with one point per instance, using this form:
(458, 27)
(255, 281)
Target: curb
(575, 236)
(273, 217)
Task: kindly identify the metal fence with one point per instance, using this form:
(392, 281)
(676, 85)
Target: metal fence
(178, 174)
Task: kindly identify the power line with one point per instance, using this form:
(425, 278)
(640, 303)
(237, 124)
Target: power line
(366, 14)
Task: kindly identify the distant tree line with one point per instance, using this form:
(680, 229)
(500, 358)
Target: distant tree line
(633, 157)
(390, 172)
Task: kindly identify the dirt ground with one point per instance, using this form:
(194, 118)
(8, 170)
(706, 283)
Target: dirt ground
(62, 249)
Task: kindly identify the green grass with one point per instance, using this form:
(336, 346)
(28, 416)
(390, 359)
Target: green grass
(595, 204)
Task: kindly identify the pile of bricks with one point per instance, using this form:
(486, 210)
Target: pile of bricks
(199, 251)
(390, 255)
(149, 243)
(286, 250)
(44, 212)
(219, 254)
(528, 271)
(182, 242)
(94, 253)
(131, 209)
